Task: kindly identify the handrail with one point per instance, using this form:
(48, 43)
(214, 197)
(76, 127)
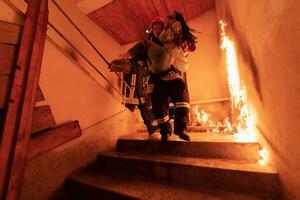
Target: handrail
(89, 42)
(211, 101)
(94, 67)
(85, 58)
(81, 33)
(52, 41)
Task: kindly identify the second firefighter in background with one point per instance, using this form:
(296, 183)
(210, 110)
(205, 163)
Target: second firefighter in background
(133, 65)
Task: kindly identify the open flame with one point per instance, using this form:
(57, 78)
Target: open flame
(238, 92)
(244, 122)
(205, 120)
(264, 157)
(202, 116)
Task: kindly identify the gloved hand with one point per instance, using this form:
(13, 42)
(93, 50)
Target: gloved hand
(120, 65)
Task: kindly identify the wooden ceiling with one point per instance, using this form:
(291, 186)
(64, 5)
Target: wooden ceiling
(127, 20)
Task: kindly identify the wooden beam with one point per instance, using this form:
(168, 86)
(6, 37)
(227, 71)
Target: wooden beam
(7, 61)
(17, 127)
(3, 101)
(2, 118)
(7, 58)
(5, 81)
(9, 33)
(42, 119)
(45, 141)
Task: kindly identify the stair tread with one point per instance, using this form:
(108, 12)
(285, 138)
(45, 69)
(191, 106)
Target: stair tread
(193, 161)
(195, 137)
(139, 188)
(204, 145)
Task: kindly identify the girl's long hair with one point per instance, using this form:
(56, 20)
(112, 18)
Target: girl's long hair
(186, 30)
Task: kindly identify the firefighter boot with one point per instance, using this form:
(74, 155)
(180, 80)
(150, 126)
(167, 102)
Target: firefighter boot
(164, 137)
(165, 131)
(183, 135)
(151, 129)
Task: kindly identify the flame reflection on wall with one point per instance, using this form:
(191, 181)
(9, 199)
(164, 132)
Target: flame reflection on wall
(244, 121)
(238, 92)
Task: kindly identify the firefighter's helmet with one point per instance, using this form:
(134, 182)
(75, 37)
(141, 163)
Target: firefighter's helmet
(157, 19)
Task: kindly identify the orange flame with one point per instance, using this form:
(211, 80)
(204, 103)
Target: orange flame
(238, 92)
(264, 157)
(203, 118)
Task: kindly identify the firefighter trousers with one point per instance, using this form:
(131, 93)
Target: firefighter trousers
(145, 111)
(164, 91)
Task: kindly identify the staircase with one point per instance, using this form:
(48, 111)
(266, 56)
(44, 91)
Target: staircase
(210, 167)
(45, 133)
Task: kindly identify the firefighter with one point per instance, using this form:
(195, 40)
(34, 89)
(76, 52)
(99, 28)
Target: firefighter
(133, 65)
(167, 64)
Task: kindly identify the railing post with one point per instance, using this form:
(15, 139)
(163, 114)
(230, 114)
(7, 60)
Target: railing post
(17, 127)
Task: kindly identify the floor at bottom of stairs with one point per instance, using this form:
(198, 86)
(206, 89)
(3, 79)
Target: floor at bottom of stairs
(139, 188)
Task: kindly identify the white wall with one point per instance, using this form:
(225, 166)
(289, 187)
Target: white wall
(72, 94)
(206, 75)
(267, 35)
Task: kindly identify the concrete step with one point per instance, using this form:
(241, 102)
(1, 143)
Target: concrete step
(204, 145)
(94, 184)
(230, 175)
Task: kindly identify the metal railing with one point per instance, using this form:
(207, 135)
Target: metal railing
(87, 60)
(124, 85)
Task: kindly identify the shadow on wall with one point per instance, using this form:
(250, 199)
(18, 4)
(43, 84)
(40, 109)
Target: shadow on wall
(243, 49)
(72, 53)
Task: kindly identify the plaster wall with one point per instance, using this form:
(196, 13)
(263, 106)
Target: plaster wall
(206, 77)
(267, 37)
(72, 94)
